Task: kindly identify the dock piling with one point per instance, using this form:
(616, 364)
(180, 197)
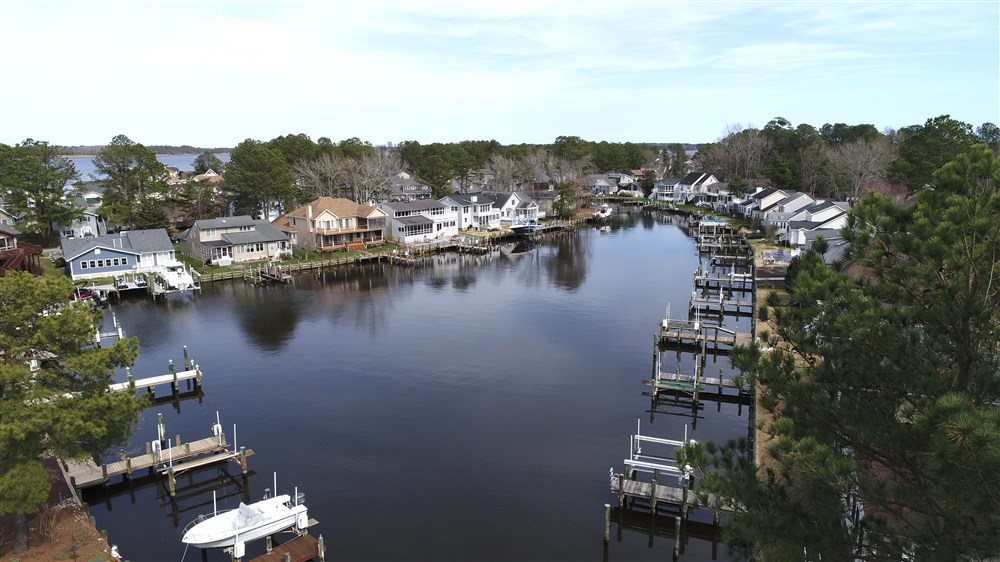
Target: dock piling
(607, 523)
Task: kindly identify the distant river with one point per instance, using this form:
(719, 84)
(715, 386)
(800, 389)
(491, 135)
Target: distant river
(85, 164)
(466, 409)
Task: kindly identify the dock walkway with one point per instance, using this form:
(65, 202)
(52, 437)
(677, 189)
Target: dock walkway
(84, 474)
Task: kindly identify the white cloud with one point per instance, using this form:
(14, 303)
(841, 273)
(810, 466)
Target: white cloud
(218, 72)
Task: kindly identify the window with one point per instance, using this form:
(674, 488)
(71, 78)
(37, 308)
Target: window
(124, 261)
(114, 262)
(209, 232)
(246, 228)
(83, 265)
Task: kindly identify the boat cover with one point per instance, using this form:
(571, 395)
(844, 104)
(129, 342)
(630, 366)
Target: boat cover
(246, 517)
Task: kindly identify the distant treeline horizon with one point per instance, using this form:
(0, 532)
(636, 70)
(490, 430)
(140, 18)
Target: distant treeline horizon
(158, 149)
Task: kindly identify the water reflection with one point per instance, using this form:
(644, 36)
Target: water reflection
(465, 408)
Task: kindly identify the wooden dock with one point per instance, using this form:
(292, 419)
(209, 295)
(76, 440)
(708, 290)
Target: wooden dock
(699, 335)
(152, 382)
(267, 273)
(300, 549)
(719, 303)
(84, 474)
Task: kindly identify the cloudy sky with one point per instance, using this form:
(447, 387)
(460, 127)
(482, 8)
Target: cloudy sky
(212, 74)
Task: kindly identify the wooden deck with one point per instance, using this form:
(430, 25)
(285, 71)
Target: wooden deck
(300, 549)
(84, 474)
(708, 336)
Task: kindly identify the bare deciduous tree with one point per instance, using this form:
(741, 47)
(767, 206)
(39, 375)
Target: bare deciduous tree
(325, 176)
(864, 162)
(505, 171)
(741, 151)
(370, 176)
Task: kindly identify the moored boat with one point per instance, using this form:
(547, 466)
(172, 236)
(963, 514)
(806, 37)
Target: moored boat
(249, 522)
(526, 226)
(603, 212)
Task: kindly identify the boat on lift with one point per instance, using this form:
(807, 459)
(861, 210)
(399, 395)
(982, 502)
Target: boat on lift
(235, 527)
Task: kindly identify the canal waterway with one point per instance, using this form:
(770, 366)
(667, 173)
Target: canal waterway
(469, 408)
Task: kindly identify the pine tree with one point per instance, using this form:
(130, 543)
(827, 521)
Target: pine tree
(54, 397)
(884, 387)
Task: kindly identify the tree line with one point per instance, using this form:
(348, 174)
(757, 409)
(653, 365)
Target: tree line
(287, 171)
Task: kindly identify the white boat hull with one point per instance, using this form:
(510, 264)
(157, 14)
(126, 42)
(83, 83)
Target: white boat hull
(221, 531)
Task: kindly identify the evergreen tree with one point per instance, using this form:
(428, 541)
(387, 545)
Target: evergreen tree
(134, 180)
(61, 408)
(208, 161)
(258, 178)
(883, 387)
(33, 181)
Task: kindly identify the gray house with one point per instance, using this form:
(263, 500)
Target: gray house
(235, 239)
(136, 251)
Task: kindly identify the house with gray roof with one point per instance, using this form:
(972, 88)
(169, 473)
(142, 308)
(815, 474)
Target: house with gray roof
(419, 220)
(89, 196)
(475, 211)
(821, 215)
(135, 251)
(235, 239)
(515, 206)
(407, 189)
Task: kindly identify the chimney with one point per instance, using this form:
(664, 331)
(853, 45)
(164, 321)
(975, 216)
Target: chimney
(474, 198)
(309, 217)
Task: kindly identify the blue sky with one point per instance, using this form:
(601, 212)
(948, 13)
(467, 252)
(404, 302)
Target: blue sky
(216, 73)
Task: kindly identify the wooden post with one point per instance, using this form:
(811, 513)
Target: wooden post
(243, 459)
(321, 548)
(288, 557)
(173, 371)
(269, 543)
(621, 491)
(177, 440)
(187, 362)
(149, 448)
(172, 481)
(128, 466)
(160, 430)
(652, 491)
(677, 536)
(607, 523)
(104, 472)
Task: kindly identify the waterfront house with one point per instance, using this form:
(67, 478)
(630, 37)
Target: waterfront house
(330, 223)
(821, 215)
(693, 187)
(419, 220)
(761, 201)
(235, 239)
(16, 255)
(601, 184)
(283, 224)
(515, 206)
(780, 214)
(475, 211)
(136, 251)
(663, 190)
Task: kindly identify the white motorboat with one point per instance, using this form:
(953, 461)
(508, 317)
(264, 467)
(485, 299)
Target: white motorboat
(249, 522)
(603, 212)
(177, 277)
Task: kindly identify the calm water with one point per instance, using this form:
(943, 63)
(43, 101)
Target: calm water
(85, 164)
(468, 409)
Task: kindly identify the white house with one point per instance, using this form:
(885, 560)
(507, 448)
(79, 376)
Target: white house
(419, 220)
(780, 214)
(515, 206)
(474, 210)
(821, 215)
(693, 187)
(761, 201)
(664, 189)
